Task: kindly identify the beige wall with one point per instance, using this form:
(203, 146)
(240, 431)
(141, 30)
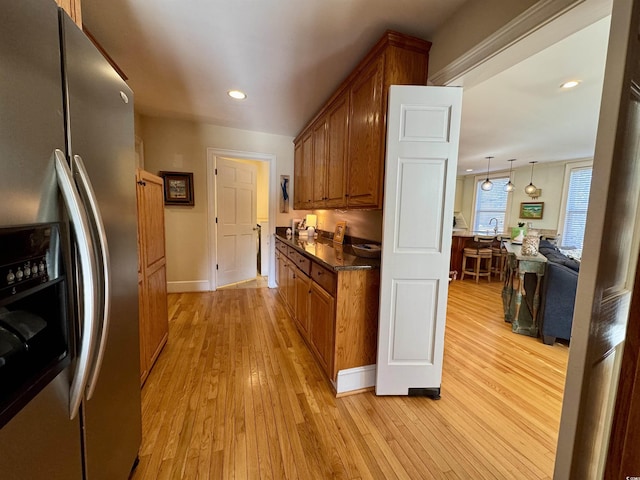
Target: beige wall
(179, 145)
(549, 177)
(365, 224)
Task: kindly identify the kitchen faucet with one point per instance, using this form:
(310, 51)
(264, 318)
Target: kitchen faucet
(495, 229)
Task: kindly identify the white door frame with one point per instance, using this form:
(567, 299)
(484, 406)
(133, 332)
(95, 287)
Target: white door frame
(212, 155)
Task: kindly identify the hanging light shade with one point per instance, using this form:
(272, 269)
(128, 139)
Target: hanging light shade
(509, 187)
(531, 188)
(487, 185)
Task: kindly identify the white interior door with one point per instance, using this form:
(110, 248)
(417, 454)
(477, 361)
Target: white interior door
(236, 235)
(422, 155)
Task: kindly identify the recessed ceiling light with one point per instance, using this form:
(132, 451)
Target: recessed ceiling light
(469, 170)
(237, 94)
(570, 84)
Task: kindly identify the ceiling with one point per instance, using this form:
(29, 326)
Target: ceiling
(289, 56)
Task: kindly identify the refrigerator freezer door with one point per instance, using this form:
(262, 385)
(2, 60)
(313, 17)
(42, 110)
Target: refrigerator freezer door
(100, 128)
(31, 123)
(40, 442)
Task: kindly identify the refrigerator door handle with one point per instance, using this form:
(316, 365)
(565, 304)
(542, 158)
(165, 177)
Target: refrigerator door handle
(105, 283)
(88, 275)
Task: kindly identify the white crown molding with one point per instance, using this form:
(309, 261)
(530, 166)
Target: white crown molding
(520, 27)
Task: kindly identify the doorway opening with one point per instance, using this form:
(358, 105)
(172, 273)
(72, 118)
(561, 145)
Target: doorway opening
(265, 211)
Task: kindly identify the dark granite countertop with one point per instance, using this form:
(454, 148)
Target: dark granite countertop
(331, 255)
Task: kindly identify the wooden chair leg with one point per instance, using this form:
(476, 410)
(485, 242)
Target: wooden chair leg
(477, 268)
(464, 267)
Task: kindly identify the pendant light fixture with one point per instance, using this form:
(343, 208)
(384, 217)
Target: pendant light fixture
(487, 185)
(509, 187)
(531, 188)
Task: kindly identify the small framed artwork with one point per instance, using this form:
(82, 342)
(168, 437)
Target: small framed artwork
(338, 234)
(178, 188)
(531, 210)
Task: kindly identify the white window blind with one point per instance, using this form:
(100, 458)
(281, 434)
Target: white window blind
(491, 204)
(575, 218)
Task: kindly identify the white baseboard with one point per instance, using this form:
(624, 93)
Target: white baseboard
(190, 286)
(356, 379)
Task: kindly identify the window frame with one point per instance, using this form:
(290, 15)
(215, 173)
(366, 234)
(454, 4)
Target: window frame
(507, 214)
(565, 192)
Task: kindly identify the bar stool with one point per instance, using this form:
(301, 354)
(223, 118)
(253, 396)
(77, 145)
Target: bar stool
(498, 258)
(480, 250)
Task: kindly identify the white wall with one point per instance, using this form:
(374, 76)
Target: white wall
(179, 145)
(472, 23)
(547, 176)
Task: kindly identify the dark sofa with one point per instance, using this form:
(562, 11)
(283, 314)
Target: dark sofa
(558, 294)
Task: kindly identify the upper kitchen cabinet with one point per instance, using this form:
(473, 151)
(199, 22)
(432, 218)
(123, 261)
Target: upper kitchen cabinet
(348, 135)
(72, 7)
(303, 173)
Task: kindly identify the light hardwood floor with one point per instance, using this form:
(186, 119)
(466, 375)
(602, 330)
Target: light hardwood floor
(236, 394)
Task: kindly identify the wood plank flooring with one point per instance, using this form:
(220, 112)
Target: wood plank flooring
(236, 394)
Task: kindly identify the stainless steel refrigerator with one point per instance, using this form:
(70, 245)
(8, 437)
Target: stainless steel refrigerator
(69, 340)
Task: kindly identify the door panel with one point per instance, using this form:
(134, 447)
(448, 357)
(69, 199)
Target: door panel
(100, 125)
(237, 227)
(422, 154)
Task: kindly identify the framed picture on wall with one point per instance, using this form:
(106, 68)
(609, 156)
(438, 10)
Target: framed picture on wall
(531, 210)
(178, 188)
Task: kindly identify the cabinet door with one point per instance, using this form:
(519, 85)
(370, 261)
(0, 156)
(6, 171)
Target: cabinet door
(321, 326)
(282, 276)
(303, 173)
(319, 164)
(156, 330)
(303, 285)
(366, 139)
(298, 165)
(290, 288)
(144, 364)
(152, 282)
(336, 154)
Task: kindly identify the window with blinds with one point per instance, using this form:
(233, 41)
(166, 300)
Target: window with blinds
(491, 204)
(575, 218)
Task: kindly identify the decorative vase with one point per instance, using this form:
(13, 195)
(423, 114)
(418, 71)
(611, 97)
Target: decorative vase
(517, 234)
(530, 244)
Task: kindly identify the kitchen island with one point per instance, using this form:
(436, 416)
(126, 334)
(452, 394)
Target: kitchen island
(333, 297)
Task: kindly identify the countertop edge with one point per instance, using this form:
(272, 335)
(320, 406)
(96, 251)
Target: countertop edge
(336, 268)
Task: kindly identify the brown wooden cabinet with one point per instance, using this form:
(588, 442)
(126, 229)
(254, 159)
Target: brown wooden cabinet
(152, 280)
(457, 246)
(319, 164)
(302, 291)
(366, 138)
(72, 7)
(336, 312)
(349, 133)
(303, 174)
(336, 153)
(322, 326)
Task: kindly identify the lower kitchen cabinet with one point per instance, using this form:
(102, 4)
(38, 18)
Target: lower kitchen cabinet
(321, 326)
(302, 292)
(336, 311)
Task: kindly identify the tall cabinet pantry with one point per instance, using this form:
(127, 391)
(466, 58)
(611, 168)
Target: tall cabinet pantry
(152, 267)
